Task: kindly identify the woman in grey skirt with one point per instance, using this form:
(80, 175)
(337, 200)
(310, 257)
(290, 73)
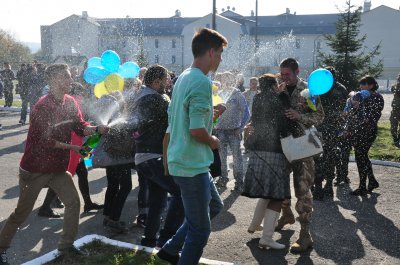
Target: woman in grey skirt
(267, 176)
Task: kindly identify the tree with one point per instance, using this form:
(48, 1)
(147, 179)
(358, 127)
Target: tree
(349, 60)
(12, 51)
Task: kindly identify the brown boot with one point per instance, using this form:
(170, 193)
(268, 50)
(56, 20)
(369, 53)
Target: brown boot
(304, 242)
(286, 218)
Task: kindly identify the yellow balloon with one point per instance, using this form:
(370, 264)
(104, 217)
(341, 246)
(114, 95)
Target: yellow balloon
(114, 82)
(217, 100)
(100, 90)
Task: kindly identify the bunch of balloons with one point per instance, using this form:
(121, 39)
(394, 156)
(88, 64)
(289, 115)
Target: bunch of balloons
(107, 74)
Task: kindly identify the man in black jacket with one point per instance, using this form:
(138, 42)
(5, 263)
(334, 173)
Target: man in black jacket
(333, 103)
(149, 117)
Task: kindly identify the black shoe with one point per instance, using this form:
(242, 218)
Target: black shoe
(359, 192)
(340, 181)
(318, 194)
(22, 122)
(148, 242)
(57, 203)
(72, 251)
(173, 259)
(1, 127)
(116, 226)
(48, 214)
(93, 206)
(141, 220)
(4, 259)
(372, 185)
(328, 191)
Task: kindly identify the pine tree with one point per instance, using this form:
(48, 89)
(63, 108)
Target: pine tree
(349, 56)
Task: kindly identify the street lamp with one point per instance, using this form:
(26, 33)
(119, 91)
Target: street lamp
(314, 54)
(214, 26)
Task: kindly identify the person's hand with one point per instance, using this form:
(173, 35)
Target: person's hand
(76, 149)
(237, 131)
(292, 114)
(281, 87)
(214, 143)
(103, 129)
(248, 130)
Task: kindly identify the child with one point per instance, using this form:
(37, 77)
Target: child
(355, 98)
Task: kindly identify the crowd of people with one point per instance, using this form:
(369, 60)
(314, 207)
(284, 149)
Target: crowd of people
(171, 132)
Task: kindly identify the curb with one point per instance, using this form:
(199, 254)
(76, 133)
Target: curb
(380, 162)
(89, 238)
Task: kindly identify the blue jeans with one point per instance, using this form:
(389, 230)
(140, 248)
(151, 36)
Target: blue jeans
(229, 137)
(201, 202)
(159, 185)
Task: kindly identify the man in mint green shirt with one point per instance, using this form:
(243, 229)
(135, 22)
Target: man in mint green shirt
(189, 145)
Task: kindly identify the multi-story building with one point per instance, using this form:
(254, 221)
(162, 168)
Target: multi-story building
(253, 48)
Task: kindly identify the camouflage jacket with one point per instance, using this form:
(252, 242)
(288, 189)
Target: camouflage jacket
(308, 116)
(396, 96)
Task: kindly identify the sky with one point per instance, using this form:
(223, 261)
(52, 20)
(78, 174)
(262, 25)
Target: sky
(23, 18)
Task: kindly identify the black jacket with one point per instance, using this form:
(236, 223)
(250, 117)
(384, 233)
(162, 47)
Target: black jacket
(149, 118)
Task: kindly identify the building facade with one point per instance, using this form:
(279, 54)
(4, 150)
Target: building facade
(253, 49)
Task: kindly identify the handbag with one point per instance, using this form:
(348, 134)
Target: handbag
(305, 146)
(101, 158)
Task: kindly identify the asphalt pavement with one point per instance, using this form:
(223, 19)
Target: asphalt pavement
(346, 230)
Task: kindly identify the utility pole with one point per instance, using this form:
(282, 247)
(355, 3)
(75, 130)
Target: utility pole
(256, 31)
(214, 26)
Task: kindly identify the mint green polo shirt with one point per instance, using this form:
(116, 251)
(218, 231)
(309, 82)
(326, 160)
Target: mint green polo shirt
(190, 108)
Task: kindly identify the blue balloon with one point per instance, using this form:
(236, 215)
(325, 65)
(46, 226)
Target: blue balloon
(129, 70)
(320, 82)
(110, 61)
(94, 75)
(94, 62)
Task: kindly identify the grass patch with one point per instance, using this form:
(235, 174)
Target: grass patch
(383, 148)
(16, 103)
(105, 254)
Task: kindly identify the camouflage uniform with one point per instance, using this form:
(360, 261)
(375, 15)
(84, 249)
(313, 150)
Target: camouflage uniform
(303, 171)
(395, 114)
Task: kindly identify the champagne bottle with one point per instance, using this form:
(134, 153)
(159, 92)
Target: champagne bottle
(90, 143)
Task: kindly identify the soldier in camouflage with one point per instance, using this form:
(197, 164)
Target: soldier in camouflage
(395, 114)
(303, 171)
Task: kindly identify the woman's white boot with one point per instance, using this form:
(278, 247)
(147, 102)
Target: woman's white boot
(266, 240)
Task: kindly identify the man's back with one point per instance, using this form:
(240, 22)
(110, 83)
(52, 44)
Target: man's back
(190, 108)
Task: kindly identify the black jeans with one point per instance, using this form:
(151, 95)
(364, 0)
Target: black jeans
(119, 185)
(362, 143)
(159, 185)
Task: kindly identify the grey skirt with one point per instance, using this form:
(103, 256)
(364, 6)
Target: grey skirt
(267, 176)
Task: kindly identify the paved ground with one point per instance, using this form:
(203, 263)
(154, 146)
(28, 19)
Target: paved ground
(347, 230)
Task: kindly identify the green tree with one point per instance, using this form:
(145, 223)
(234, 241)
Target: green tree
(349, 56)
(141, 58)
(12, 51)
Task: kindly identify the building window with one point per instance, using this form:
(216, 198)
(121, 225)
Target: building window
(173, 43)
(297, 43)
(156, 43)
(156, 59)
(173, 59)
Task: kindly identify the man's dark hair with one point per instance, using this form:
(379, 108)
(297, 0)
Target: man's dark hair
(54, 69)
(332, 70)
(153, 73)
(205, 39)
(290, 63)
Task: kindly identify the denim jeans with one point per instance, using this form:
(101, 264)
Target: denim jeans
(229, 137)
(201, 202)
(159, 186)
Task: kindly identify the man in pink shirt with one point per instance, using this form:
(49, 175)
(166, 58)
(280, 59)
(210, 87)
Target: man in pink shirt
(46, 158)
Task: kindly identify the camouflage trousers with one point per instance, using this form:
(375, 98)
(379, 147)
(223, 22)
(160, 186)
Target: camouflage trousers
(303, 179)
